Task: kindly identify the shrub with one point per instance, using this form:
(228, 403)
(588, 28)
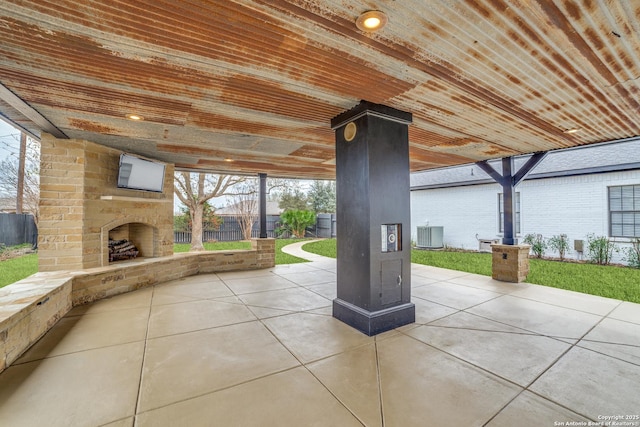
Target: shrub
(632, 254)
(600, 249)
(559, 244)
(537, 242)
(297, 221)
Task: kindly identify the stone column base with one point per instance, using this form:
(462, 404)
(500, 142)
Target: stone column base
(510, 263)
(266, 251)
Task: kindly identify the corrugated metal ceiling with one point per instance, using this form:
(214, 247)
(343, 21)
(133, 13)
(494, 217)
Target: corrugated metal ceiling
(258, 81)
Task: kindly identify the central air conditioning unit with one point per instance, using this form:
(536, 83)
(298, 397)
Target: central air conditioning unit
(430, 237)
(484, 245)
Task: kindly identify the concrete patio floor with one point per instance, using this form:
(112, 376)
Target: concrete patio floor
(260, 348)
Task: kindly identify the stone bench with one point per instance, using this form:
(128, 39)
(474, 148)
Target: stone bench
(28, 309)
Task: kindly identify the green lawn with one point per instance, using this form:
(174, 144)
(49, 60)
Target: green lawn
(616, 282)
(214, 246)
(15, 269)
(281, 257)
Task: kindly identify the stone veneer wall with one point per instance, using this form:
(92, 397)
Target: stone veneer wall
(30, 307)
(510, 263)
(80, 202)
(95, 284)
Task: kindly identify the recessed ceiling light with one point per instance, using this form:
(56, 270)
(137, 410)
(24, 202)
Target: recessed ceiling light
(572, 130)
(372, 20)
(135, 117)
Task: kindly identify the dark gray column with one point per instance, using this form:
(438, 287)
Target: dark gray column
(263, 205)
(509, 203)
(373, 218)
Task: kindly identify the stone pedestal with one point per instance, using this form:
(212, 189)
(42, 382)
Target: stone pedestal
(510, 263)
(266, 251)
(373, 218)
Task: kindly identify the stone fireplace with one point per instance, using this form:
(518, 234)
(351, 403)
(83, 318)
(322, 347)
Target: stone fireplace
(82, 207)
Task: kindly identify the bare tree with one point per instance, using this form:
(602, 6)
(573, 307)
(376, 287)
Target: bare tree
(246, 205)
(194, 190)
(23, 173)
(21, 163)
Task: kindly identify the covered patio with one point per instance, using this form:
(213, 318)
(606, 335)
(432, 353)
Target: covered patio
(262, 348)
(262, 88)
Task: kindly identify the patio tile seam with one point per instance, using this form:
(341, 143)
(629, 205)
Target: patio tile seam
(379, 382)
(106, 312)
(290, 311)
(607, 355)
(317, 293)
(351, 348)
(541, 397)
(458, 308)
(609, 342)
(532, 332)
(344, 404)
(191, 299)
(570, 308)
(469, 363)
(326, 387)
(55, 356)
(443, 317)
(504, 407)
(309, 264)
(329, 356)
(144, 359)
(118, 420)
(482, 288)
(524, 331)
(276, 316)
(523, 387)
(586, 417)
(307, 283)
(631, 322)
(294, 285)
(217, 390)
(563, 354)
(193, 331)
(261, 291)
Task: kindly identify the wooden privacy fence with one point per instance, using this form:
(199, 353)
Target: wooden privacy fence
(16, 229)
(230, 229)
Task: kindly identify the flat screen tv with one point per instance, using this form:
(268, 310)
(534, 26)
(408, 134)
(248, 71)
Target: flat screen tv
(139, 174)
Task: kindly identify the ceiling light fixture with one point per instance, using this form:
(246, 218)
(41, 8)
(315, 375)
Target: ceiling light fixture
(134, 117)
(372, 20)
(572, 130)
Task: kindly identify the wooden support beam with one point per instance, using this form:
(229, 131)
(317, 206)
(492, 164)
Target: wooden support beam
(30, 113)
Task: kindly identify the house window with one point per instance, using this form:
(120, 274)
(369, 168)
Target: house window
(501, 213)
(624, 211)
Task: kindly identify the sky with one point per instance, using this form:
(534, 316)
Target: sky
(9, 140)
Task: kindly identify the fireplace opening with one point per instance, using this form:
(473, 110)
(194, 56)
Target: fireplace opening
(129, 241)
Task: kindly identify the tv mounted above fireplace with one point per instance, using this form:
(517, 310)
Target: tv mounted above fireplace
(139, 174)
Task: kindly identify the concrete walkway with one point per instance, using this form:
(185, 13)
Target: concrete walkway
(260, 348)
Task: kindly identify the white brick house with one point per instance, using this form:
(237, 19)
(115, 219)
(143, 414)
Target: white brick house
(593, 189)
